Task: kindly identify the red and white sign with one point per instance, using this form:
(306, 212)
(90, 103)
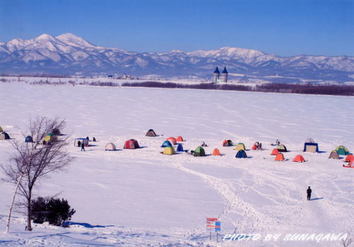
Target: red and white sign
(211, 223)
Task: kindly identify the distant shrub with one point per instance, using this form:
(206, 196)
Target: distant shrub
(52, 210)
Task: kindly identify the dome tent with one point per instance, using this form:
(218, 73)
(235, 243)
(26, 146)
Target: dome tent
(216, 152)
(199, 151)
(241, 154)
(4, 136)
(279, 157)
(131, 144)
(180, 147)
(172, 140)
(333, 155)
(28, 139)
(341, 150)
(227, 143)
(110, 147)
(179, 139)
(240, 146)
(166, 144)
(299, 158)
(151, 133)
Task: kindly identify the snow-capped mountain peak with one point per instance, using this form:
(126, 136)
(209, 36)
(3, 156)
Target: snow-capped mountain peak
(72, 39)
(44, 37)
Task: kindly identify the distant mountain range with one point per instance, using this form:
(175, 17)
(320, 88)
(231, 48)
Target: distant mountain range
(68, 54)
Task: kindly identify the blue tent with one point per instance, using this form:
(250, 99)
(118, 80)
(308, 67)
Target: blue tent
(311, 147)
(241, 154)
(166, 144)
(29, 139)
(179, 147)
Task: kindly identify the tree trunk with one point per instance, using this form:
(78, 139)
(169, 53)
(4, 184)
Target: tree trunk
(29, 212)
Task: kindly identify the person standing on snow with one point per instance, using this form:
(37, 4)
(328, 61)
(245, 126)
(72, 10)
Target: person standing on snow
(82, 146)
(309, 191)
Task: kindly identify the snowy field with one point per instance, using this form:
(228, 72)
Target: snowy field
(142, 198)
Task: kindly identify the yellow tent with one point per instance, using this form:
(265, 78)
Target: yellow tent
(49, 138)
(169, 150)
(240, 146)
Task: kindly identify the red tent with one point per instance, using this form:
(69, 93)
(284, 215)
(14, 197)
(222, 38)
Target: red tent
(131, 144)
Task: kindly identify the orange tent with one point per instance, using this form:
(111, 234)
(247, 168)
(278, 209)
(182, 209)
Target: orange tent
(299, 158)
(349, 158)
(216, 152)
(279, 157)
(275, 151)
(179, 139)
(172, 140)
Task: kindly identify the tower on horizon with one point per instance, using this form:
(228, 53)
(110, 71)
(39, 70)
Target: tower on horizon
(220, 77)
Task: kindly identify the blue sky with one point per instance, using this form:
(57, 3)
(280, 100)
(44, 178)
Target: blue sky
(282, 27)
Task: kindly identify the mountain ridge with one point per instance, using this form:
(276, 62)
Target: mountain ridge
(69, 54)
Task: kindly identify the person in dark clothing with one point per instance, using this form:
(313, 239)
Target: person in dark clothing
(309, 191)
(79, 144)
(94, 139)
(82, 146)
(87, 138)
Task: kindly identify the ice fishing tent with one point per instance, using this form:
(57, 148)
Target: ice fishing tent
(299, 158)
(279, 157)
(179, 139)
(199, 151)
(79, 141)
(180, 148)
(274, 151)
(56, 132)
(172, 140)
(168, 150)
(216, 152)
(110, 147)
(311, 146)
(28, 139)
(240, 146)
(166, 144)
(48, 139)
(282, 148)
(227, 143)
(349, 158)
(131, 144)
(150, 133)
(241, 154)
(333, 155)
(4, 136)
(257, 146)
(341, 150)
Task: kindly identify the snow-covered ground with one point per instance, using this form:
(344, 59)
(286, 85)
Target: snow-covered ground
(142, 198)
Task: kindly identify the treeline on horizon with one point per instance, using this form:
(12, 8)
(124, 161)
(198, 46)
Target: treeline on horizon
(346, 90)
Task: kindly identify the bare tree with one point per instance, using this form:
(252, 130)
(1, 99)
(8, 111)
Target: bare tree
(33, 160)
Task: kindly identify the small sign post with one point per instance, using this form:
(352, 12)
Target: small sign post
(217, 229)
(213, 224)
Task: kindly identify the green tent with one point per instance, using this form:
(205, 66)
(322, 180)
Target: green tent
(282, 148)
(341, 150)
(199, 151)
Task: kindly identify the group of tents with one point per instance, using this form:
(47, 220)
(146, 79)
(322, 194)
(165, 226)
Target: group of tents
(129, 144)
(173, 145)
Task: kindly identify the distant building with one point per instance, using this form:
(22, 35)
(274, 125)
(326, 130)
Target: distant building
(216, 75)
(224, 75)
(220, 77)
